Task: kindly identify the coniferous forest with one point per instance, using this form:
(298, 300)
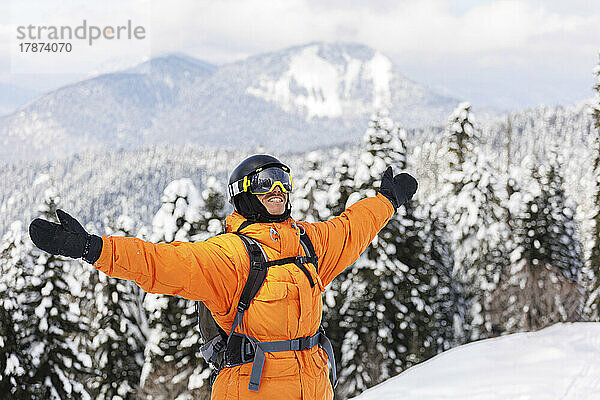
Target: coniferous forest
(502, 237)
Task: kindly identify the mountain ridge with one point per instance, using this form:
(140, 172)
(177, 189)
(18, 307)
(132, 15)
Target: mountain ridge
(296, 98)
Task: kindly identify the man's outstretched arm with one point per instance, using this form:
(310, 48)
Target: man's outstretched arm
(204, 271)
(341, 240)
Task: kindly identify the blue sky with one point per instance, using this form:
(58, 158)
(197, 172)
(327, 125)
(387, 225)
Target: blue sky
(507, 54)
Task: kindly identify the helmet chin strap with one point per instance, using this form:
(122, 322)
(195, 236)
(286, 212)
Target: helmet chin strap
(249, 206)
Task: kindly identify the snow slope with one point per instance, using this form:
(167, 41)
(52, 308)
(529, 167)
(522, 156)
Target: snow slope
(559, 362)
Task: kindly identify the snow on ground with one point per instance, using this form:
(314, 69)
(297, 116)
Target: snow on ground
(559, 362)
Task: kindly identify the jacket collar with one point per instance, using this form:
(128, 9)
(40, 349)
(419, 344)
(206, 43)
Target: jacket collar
(271, 234)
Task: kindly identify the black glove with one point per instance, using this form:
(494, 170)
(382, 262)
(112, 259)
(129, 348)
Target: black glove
(65, 239)
(398, 189)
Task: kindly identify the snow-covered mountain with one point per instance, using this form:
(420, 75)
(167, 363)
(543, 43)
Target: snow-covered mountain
(114, 110)
(559, 362)
(298, 98)
(322, 80)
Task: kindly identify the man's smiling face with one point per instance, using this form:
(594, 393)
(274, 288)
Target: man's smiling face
(274, 201)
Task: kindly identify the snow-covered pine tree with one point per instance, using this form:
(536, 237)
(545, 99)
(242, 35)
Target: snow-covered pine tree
(15, 360)
(179, 215)
(383, 146)
(387, 309)
(593, 245)
(566, 246)
(311, 192)
(478, 224)
(447, 294)
(213, 210)
(460, 143)
(342, 183)
(118, 341)
(426, 298)
(49, 299)
(475, 218)
(367, 354)
(173, 366)
(364, 359)
(541, 287)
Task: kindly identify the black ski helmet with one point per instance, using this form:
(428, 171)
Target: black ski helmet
(247, 204)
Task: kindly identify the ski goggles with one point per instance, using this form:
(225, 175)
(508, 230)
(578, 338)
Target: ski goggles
(263, 181)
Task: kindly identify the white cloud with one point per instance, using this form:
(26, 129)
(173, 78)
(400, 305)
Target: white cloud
(426, 26)
(241, 27)
(429, 27)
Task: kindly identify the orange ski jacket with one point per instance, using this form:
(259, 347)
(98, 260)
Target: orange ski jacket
(286, 307)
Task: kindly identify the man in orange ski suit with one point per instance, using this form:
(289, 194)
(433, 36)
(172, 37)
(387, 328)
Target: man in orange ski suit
(215, 271)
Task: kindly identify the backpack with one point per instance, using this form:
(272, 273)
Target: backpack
(222, 350)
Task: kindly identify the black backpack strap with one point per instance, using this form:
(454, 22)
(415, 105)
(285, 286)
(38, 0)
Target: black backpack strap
(309, 249)
(244, 225)
(256, 278)
(257, 274)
